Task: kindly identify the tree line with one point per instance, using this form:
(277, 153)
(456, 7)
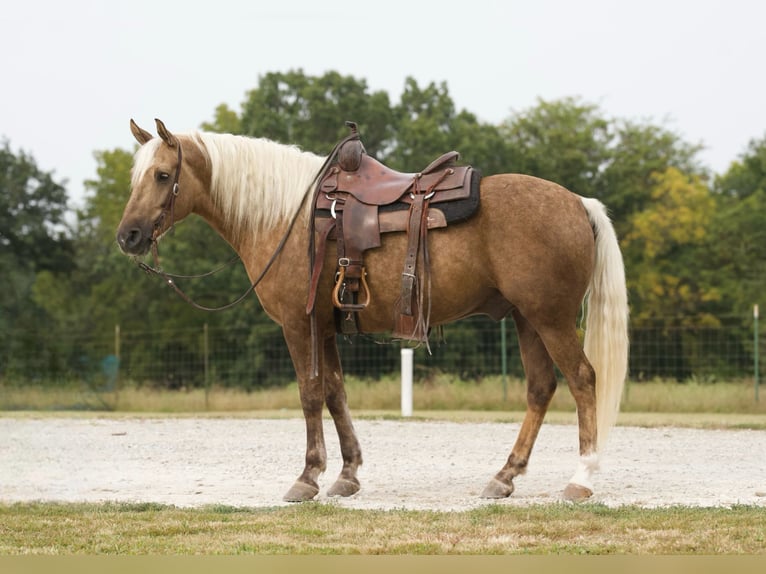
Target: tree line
(694, 242)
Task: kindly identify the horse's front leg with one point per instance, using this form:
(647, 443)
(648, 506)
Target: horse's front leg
(312, 397)
(335, 397)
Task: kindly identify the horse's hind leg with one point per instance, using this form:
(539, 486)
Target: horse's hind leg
(335, 397)
(541, 385)
(567, 352)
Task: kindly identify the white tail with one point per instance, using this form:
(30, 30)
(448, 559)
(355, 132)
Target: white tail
(606, 328)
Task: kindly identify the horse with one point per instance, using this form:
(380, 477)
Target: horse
(534, 251)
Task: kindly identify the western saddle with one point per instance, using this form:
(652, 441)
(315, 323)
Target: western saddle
(355, 200)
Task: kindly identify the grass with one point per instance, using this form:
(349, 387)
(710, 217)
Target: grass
(315, 528)
(441, 393)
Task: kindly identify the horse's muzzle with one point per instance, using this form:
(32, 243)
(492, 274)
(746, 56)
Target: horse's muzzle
(134, 240)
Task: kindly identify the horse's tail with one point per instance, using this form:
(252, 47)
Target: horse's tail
(606, 329)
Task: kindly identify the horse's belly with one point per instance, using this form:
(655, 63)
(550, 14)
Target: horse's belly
(460, 284)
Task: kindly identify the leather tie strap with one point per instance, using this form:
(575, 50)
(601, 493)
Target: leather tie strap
(409, 278)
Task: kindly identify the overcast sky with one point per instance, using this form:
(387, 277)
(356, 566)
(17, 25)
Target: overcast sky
(74, 72)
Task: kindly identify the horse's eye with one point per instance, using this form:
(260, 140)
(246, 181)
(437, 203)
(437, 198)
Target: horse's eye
(163, 176)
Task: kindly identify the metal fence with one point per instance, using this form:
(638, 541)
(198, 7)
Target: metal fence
(253, 358)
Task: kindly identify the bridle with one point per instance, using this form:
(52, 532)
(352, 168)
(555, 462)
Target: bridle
(168, 209)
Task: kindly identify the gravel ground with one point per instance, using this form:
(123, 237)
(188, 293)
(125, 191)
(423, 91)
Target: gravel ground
(444, 466)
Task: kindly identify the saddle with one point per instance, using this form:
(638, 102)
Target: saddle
(356, 199)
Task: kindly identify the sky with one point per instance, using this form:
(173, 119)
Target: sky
(73, 73)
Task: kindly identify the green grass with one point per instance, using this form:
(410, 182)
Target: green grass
(440, 393)
(316, 528)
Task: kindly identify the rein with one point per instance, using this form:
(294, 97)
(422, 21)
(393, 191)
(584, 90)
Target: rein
(169, 208)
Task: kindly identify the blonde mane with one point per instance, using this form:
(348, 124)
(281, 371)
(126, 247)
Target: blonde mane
(256, 183)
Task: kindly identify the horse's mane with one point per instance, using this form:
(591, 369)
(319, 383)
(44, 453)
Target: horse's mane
(257, 183)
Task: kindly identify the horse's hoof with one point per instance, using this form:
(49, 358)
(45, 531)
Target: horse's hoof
(576, 492)
(497, 489)
(344, 487)
(301, 492)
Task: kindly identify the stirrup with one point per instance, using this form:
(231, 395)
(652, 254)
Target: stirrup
(340, 284)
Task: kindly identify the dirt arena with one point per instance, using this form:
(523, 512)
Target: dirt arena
(408, 464)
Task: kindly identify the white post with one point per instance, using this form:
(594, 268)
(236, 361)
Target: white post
(407, 361)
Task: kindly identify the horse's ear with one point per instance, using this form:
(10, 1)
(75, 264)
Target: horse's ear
(142, 136)
(165, 134)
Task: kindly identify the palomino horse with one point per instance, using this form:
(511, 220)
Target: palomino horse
(534, 251)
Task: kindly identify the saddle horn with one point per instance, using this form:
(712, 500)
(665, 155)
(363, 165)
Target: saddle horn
(350, 153)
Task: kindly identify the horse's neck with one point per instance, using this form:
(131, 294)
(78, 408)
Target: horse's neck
(253, 217)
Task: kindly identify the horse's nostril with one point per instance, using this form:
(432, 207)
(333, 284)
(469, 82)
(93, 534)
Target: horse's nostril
(134, 237)
(130, 239)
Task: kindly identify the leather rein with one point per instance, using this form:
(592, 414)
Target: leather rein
(168, 208)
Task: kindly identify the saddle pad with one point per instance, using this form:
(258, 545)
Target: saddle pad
(455, 210)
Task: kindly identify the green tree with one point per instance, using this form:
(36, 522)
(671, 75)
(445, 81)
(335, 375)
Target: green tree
(427, 124)
(33, 238)
(567, 141)
(225, 121)
(675, 297)
(311, 112)
(669, 238)
(739, 246)
(33, 231)
(747, 175)
(637, 153)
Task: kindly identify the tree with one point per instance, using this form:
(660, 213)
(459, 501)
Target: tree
(739, 249)
(427, 125)
(668, 242)
(33, 238)
(225, 121)
(33, 231)
(637, 153)
(674, 293)
(566, 141)
(311, 112)
(747, 175)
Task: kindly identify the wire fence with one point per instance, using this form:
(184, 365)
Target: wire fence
(726, 350)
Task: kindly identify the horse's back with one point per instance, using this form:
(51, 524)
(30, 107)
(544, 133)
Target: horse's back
(530, 240)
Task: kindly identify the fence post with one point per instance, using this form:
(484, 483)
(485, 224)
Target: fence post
(504, 359)
(407, 368)
(755, 349)
(205, 348)
(117, 356)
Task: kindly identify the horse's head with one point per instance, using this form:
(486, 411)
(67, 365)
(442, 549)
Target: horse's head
(163, 187)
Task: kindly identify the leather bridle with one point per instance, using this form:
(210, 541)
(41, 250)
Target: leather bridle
(168, 208)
